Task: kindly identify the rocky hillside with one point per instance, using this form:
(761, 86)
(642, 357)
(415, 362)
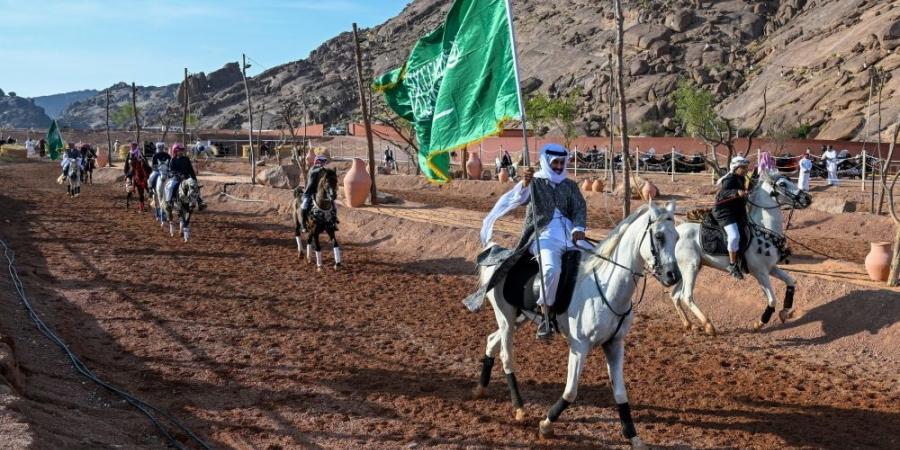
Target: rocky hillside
(56, 103)
(813, 58)
(19, 112)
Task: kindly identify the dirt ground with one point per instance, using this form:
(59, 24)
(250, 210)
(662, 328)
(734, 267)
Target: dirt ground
(253, 349)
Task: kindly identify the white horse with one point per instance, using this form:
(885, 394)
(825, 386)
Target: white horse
(186, 200)
(159, 195)
(772, 192)
(73, 179)
(599, 313)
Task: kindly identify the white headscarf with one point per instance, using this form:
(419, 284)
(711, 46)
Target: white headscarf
(737, 161)
(548, 153)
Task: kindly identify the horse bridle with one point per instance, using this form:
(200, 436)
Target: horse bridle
(776, 192)
(655, 268)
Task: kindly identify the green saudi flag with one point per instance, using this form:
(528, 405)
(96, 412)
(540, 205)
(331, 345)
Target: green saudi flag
(458, 85)
(55, 143)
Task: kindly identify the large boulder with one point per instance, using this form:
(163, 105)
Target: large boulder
(280, 177)
(643, 35)
(680, 20)
(638, 67)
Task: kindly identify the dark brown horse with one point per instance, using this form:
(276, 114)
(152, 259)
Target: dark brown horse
(322, 218)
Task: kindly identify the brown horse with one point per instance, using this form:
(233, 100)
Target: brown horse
(322, 218)
(136, 174)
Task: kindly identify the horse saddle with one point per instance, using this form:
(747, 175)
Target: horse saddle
(522, 288)
(714, 240)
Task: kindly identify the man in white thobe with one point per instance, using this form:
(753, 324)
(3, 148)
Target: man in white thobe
(831, 164)
(805, 171)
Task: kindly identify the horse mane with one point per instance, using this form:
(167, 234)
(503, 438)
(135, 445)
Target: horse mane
(608, 246)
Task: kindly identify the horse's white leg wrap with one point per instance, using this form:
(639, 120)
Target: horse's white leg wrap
(337, 255)
(299, 245)
(319, 259)
(187, 233)
(309, 252)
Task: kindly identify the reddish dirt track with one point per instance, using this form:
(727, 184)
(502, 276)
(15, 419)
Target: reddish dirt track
(253, 349)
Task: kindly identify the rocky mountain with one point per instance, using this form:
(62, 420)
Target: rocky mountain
(813, 59)
(20, 112)
(56, 103)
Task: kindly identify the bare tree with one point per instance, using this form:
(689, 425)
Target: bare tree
(895, 262)
(168, 117)
(288, 109)
(623, 122)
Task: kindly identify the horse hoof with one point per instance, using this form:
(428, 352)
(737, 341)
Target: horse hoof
(638, 444)
(757, 326)
(478, 392)
(785, 314)
(546, 428)
(318, 268)
(710, 329)
(688, 326)
(337, 266)
(520, 414)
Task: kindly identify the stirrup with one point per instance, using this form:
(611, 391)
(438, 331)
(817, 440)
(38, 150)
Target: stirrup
(545, 329)
(735, 271)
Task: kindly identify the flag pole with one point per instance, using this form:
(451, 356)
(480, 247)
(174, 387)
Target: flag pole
(527, 160)
(515, 58)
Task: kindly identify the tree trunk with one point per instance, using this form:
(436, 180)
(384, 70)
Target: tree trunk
(109, 149)
(610, 166)
(373, 193)
(895, 258)
(184, 110)
(250, 116)
(137, 123)
(623, 120)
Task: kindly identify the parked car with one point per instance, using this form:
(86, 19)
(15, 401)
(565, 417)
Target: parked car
(336, 130)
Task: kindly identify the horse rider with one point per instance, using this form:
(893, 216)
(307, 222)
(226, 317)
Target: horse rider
(730, 210)
(560, 213)
(806, 165)
(70, 156)
(160, 158)
(181, 169)
(312, 185)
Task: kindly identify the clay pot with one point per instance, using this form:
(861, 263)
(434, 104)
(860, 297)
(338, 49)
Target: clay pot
(649, 191)
(473, 166)
(504, 175)
(357, 184)
(597, 186)
(586, 185)
(878, 261)
(102, 158)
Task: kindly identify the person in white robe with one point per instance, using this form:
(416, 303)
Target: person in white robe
(806, 165)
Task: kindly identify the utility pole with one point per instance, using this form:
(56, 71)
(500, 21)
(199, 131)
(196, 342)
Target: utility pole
(623, 120)
(259, 140)
(244, 67)
(373, 194)
(137, 123)
(184, 102)
(108, 137)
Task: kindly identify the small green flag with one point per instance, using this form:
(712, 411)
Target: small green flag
(55, 143)
(458, 85)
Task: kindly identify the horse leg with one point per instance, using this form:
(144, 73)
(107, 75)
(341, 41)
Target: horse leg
(297, 234)
(487, 364)
(787, 311)
(676, 301)
(689, 278)
(615, 363)
(318, 250)
(506, 320)
(578, 352)
(336, 248)
(766, 284)
(186, 226)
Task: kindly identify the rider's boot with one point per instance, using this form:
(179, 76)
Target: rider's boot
(733, 269)
(304, 216)
(545, 328)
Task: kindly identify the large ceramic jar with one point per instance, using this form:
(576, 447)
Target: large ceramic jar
(504, 175)
(878, 261)
(597, 186)
(649, 191)
(587, 185)
(357, 184)
(473, 166)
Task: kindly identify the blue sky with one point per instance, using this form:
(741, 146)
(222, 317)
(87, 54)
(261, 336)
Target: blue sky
(54, 46)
